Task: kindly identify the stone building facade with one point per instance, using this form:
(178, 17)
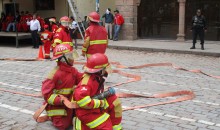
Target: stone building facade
(177, 24)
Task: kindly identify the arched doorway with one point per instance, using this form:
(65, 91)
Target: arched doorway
(158, 19)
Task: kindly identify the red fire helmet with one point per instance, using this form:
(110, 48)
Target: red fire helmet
(60, 50)
(94, 17)
(96, 63)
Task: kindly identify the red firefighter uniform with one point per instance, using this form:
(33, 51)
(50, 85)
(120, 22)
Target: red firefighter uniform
(54, 28)
(96, 37)
(22, 25)
(46, 37)
(8, 19)
(62, 36)
(89, 115)
(41, 21)
(60, 81)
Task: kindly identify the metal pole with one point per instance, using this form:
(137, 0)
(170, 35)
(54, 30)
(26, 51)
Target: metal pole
(97, 6)
(74, 15)
(15, 25)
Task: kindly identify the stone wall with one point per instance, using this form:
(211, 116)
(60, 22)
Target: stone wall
(128, 8)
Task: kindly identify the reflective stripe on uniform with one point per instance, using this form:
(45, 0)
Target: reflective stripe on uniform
(78, 124)
(85, 79)
(70, 43)
(117, 127)
(84, 101)
(58, 112)
(52, 98)
(98, 121)
(56, 41)
(98, 42)
(63, 91)
(88, 55)
(101, 66)
(96, 103)
(106, 104)
(84, 49)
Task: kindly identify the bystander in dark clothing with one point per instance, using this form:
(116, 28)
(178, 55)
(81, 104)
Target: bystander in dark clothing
(2, 19)
(198, 28)
(109, 20)
(73, 31)
(35, 29)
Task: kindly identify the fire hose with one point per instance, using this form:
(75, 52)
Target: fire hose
(134, 78)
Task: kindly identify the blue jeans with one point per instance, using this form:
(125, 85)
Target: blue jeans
(9, 27)
(116, 31)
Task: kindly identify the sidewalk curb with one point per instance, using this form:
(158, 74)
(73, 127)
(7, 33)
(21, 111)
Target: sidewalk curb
(164, 50)
(213, 54)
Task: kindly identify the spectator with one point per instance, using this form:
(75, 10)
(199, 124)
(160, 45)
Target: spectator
(13, 22)
(8, 20)
(85, 23)
(198, 28)
(119, 20)
(22, 25)
(73, 30)
(35, 29)
(3, 18)
(109, 19)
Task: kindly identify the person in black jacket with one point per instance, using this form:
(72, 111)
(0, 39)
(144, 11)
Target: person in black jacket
(198, 28)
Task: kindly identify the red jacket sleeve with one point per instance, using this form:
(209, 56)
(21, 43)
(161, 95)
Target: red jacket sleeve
(47, 92)
(83, 99)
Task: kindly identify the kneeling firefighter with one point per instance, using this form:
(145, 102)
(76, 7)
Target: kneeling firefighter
(58, 85)
(93, 113)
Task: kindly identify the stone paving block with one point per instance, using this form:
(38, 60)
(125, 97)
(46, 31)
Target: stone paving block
(213, 127)
(188, 126)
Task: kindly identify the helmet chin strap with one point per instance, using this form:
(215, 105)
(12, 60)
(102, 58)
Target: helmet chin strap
(67, 62)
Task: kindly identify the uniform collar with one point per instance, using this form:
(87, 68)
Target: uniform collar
(64, 67)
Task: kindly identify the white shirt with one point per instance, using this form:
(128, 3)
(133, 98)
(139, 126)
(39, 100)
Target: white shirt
(73, 25)
(34, 25)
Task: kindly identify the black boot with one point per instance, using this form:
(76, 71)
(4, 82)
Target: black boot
(202, 47)
(193, 47)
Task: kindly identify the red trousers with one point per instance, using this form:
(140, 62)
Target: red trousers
(4, 26)
(47, 45)
(114, 110)
(63, 122)
(22, 27)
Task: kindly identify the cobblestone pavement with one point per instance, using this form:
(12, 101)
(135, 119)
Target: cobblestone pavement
(202, 113)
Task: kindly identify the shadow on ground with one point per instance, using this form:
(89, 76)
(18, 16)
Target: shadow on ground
(11, 42)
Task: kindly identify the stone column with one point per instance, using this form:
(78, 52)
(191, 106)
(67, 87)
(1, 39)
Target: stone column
(128, 8)
(181, 34)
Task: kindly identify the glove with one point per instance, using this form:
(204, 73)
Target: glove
(104, 104)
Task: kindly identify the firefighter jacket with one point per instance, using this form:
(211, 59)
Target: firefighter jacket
(89, 86)
(54, 28)
(60, 81)
(62, 36)
(96, 40)
(46, 36)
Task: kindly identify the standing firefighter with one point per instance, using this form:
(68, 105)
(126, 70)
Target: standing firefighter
(97, 114)
(62, 35)
(53, 25)
(96, 37)
(46, 37)
(59, 85)
(198, 28)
